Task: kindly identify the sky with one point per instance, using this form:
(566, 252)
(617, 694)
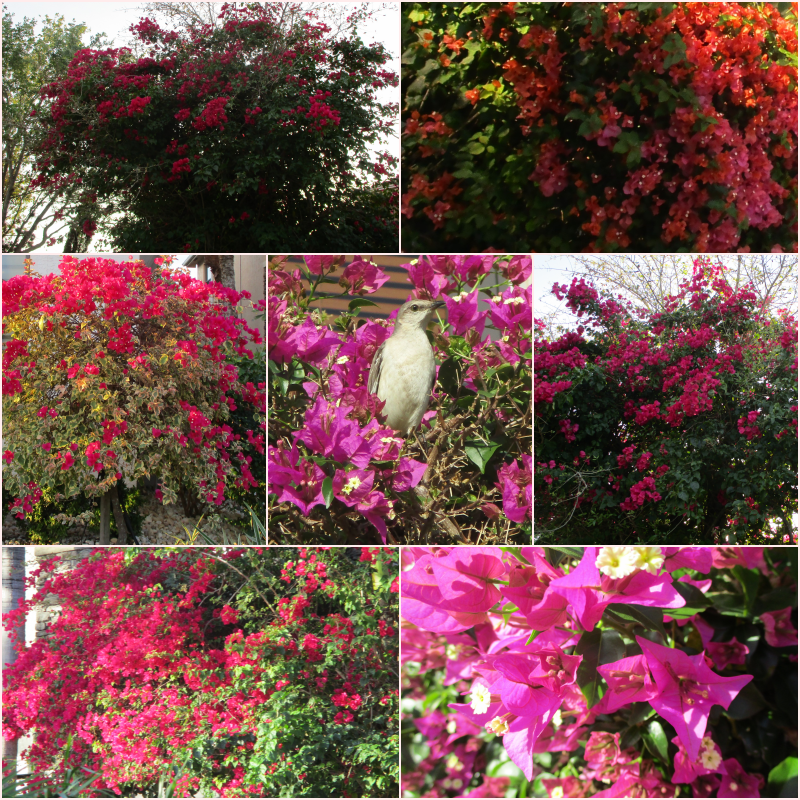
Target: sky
(114, 19)
(547, 270)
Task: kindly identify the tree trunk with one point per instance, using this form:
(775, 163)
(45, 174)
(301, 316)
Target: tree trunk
(122, 528)
(77, 241)
(105, 519)
(13, 591)
(222, 269)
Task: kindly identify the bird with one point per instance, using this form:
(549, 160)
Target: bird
(403, 370)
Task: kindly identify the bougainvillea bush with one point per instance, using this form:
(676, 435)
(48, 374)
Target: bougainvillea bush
(241, 138)
(216, 672)
(116, 372)
(647, 127)
(599, 672)
(336, 472)
(677, 427)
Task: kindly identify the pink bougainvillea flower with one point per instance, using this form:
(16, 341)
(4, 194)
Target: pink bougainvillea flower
(462, 313)
(705, 786)
(319, 264)
(363, 277)
(491, 787)
(748, 557)
(521, 687)
(407, 474)
(628, 682)
(726, 653)
(697, 558)
(521, 737)
(565, 787)
(464, 577)
(310, 343)
(353, 487)
(589, 593)
(738, 783)
(451, 583)
(687, 689)
(516, 484)
(527, 589)
(778, 628)
(602, 747)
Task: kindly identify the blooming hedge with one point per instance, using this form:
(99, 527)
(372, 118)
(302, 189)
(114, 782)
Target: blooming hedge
(244, 137)
(336, 472)
(675, 427)
(608, 672)
(115, 372)
(215, 672)
(600, 126)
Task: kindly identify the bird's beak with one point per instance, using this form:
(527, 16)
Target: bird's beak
(439, 304)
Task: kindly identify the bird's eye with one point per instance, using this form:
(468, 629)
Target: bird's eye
(415, 307)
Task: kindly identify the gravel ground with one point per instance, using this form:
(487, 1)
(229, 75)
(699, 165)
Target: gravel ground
(162, 525)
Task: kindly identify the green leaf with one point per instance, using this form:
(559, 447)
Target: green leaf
(507, 610)
(747, 703)
(651, 619)
(775, 601)
(516, 552)
(555, 555)
(590, 126)
(634, 157)
(476, 148)
(696, 601)
(480, 453)
(360, 302)
(782, 779)
(750, 579)
(656, 740)
(327, 491)
(450, 374)
(726, 603)
(588, 677)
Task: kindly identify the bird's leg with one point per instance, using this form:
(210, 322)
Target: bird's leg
(424, 452)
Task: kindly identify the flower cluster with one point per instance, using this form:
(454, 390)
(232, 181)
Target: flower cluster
(714, 362)
(128, 114)
(557, 662)
(122, 349)
(636, 128)
(146, 663)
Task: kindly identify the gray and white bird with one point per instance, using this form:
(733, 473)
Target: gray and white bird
(403, 370)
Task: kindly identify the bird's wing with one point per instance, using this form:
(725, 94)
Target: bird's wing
(433, 377)
(374, 379)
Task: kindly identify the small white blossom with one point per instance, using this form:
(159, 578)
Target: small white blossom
(481, 699)
(352, 484)
(616, 561)
(650, 559)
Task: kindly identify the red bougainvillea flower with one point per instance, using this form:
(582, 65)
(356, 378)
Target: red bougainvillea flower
(687, 689)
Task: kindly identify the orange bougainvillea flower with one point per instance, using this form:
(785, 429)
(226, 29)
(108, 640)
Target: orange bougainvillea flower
(473, 95)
